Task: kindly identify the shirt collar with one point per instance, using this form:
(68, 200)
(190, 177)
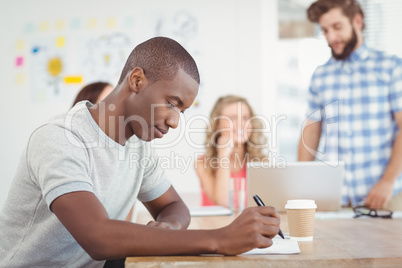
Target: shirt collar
(359, 54)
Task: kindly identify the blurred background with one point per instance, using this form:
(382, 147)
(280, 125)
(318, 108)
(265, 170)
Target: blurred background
(265, 50)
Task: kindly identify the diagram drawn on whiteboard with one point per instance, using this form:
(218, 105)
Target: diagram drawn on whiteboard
(103, 57)
(47, 65)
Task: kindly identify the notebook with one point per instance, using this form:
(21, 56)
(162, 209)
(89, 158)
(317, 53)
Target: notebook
(315, 180)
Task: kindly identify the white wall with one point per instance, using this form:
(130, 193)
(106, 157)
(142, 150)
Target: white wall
(234, 46)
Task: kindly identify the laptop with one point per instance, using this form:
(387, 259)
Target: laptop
(315, 180)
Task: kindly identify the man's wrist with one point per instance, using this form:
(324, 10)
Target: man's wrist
(388, 179)
(213, 244)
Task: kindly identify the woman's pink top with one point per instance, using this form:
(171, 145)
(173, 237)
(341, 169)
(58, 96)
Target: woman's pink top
(237, 182)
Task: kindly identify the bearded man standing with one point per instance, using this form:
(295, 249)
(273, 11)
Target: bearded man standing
(355, 109)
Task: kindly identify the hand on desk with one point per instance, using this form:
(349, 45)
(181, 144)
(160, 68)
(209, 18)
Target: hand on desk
(254, 228)
(379, 195)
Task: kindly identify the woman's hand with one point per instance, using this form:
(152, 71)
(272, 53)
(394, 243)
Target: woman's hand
(225, 145)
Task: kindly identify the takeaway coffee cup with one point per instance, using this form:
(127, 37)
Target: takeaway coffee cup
(300, 214)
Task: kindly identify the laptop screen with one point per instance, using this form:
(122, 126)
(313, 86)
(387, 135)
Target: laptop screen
(315, 180)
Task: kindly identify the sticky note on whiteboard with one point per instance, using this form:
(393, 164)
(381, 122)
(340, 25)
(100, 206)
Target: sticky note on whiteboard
(92, 23)
(60, 41)
(44, 26)
(60, 24)
(19, 61)
(73, 79)
(75, 24)
(20, 79)
(111, 23)
(19, 45)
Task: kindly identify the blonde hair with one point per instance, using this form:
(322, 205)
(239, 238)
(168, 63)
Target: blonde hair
(253, 147)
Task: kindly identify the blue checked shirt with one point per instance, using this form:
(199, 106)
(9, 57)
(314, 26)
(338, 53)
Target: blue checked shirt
(355, 99)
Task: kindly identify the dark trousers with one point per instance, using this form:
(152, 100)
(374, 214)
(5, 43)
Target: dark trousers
(115, 263)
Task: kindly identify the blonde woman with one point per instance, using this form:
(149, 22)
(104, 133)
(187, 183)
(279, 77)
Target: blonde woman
(231, 142)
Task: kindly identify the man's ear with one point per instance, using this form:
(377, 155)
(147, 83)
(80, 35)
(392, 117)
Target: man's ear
(137, 80)
(358, 21)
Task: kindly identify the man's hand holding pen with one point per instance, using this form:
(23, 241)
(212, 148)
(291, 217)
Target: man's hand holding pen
(254, 228)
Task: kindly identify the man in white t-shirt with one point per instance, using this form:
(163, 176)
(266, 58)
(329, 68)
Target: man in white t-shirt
(77, 180)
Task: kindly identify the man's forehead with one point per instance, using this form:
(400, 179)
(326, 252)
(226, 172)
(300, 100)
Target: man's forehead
(187, 87)
(333, 16)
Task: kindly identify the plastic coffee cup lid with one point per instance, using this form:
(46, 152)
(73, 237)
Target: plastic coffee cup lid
(300, 204)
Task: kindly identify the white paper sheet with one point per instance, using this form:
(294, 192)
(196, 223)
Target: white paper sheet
(209, 211)
(280, 246)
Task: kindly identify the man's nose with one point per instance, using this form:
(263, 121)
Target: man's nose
(173, 119)
(330, 36)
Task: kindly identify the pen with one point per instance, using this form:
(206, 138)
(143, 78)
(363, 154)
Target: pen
(259, 202)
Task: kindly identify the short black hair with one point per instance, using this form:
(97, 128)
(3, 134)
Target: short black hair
(160, 58)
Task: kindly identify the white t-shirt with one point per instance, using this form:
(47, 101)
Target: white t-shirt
(71, 153)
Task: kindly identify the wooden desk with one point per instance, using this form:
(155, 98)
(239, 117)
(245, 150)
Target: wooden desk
(362, 242)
